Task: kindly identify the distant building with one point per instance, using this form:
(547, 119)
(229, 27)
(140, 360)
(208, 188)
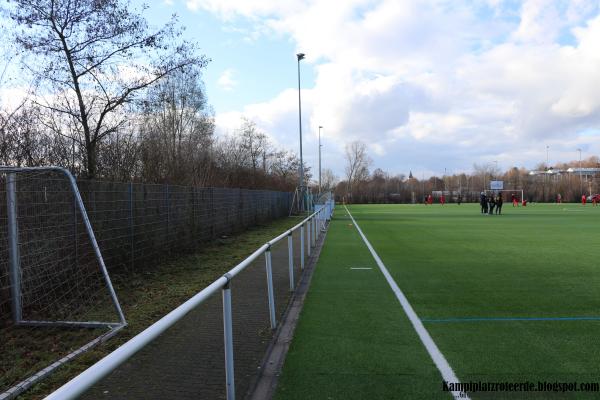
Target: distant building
(584, 172)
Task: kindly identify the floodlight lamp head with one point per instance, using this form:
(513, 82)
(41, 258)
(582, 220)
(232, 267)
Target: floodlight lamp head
(320, 127)
(300, 56)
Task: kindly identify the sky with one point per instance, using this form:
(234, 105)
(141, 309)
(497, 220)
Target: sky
(431, 86)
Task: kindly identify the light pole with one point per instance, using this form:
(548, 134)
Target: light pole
(300, 56)
(580, 181)
(320, 145)
(547, 165)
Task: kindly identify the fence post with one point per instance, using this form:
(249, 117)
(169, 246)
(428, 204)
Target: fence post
(228, 342)
(302, 246)
(270, 288)
(131, 225)
(314, 235)
(308, 234)
(168, 205)
(13, 247)
(291, 261)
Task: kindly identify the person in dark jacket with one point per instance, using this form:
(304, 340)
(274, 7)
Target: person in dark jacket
(499, 202)
(491, 204)
(483, 203)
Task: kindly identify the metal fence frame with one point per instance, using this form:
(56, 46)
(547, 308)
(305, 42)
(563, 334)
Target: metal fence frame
(315, 224)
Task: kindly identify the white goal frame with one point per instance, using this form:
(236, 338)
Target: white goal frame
(14, 274)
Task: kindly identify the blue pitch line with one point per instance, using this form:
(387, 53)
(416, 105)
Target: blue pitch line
(489, 319)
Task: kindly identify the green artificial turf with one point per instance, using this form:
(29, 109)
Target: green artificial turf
(453, 263)
(353, 341)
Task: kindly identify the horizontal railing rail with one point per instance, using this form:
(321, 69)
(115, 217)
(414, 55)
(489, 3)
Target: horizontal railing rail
(311, 227)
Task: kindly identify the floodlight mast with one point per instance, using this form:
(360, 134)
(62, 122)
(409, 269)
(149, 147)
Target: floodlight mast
(300, 56)
(320, 145)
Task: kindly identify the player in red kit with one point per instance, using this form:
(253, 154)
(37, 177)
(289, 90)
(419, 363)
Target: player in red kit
(442, 200)
(583, 200)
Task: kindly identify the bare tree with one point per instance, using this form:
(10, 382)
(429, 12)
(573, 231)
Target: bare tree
(328, 180)
(254, 144)
(358, 162)
(176, 130)
(91, 58)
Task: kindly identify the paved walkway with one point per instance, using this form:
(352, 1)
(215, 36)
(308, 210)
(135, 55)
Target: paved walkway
(187, 361)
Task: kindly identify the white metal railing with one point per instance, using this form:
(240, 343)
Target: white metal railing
(313, 224)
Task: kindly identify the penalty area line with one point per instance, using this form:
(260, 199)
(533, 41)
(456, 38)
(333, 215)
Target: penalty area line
(436, 355)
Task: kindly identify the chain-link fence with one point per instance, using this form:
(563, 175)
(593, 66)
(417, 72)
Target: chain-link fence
(52, 273)
(212, 346)
(138, 224)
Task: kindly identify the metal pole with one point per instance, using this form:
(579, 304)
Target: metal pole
(13, 247)
(270, 288)
(131, 227)
(320, 127)
(168, 206)
(308, 230)
(291, 261)
(228, 341)
(314, 236)
(302, 247)
(300, 56)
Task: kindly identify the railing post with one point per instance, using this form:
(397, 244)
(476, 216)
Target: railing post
(314, 236)
(318, 224)
(228, 341)
(308, 234)
(270, 288)
(13, 247)
(302, 246)
(318, 227)
(291, 261)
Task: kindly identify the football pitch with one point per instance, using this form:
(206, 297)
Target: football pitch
(505, 299)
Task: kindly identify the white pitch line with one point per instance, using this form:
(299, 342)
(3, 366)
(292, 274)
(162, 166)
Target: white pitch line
(436, 355)
(360, 268)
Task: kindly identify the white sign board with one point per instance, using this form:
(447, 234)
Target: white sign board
(496, 185)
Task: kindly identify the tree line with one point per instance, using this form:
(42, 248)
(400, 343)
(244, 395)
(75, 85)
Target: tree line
(112, 98)
(361, 185)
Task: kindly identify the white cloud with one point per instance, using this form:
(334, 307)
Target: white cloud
(474, 81)
(226, 81)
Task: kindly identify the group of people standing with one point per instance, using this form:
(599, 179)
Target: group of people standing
(490, 202)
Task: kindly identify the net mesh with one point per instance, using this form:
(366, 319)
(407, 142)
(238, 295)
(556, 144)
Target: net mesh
(53, 279)
(59, 275)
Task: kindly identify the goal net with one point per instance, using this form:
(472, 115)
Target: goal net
(52, 275)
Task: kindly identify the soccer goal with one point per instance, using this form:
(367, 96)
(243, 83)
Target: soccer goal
(52, 275)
